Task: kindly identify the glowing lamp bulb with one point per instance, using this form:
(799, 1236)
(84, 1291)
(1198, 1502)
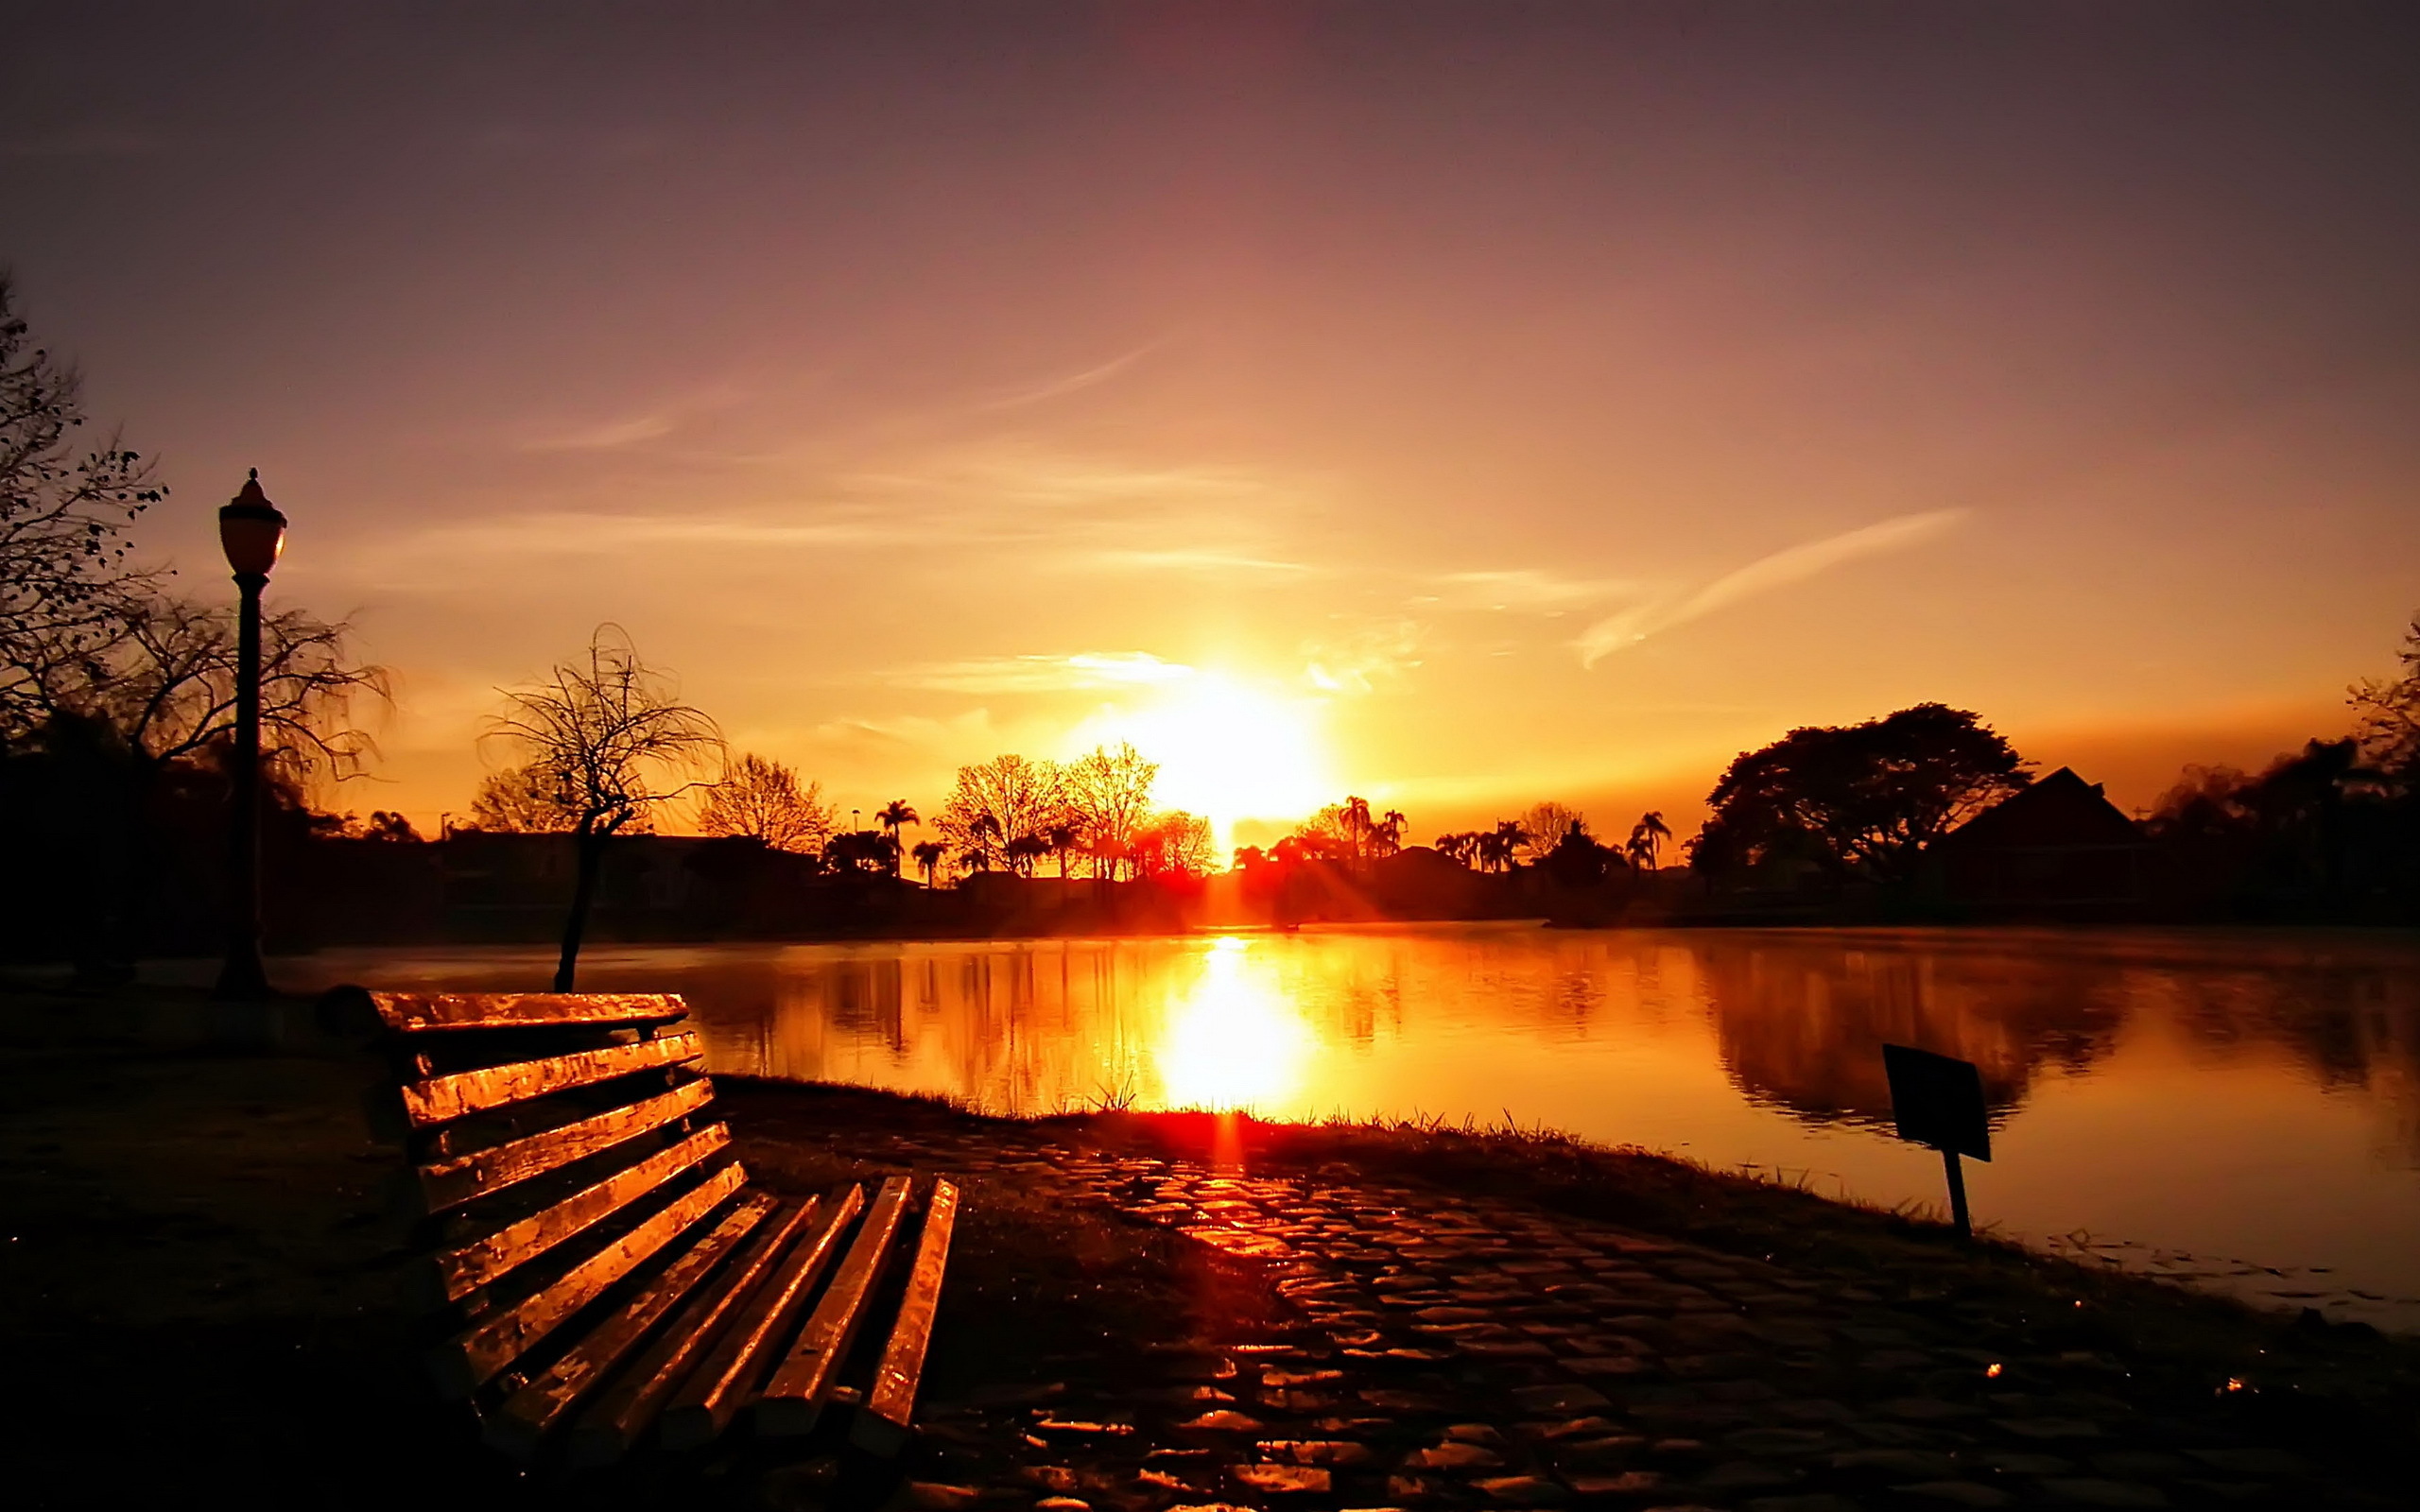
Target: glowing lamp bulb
(250, 530)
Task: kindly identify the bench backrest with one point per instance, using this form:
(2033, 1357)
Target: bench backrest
(558, 1144)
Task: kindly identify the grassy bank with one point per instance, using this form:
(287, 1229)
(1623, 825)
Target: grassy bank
(2342, 1392)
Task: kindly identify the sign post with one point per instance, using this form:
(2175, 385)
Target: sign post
(1939, 1101)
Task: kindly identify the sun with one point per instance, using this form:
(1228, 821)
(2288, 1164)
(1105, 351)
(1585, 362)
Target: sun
(1227, 751)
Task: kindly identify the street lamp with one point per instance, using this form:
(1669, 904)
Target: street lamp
(251, 532)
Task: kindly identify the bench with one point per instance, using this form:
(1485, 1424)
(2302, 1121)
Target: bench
(591, 1257)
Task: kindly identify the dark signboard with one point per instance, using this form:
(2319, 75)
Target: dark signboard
(1938, 1101)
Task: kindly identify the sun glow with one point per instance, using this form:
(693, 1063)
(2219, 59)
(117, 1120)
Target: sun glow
(1226, 752)
(1234, 1042)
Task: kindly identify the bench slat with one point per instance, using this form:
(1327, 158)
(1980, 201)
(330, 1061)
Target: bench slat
(522, 1422)
(434, 1012)
(881, 1425)
(474, 1357)
(442, 1099)
(794, 1399)
(614, 1421)
(464, 1270)
(705, 1406)
(450, 1183)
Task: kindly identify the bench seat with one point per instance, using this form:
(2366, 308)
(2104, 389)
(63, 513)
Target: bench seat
(595, 1267)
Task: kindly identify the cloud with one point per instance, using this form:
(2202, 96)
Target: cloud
(612, 436)
(1084, 671)
(1522, 588)
(1198, 559)
(1374, 653)
(1072, 382)
(1793, 565)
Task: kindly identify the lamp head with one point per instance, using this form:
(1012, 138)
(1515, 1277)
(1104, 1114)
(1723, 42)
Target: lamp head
(250, 530)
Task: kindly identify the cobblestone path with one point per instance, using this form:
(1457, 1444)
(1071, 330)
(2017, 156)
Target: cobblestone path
(1452, 1353)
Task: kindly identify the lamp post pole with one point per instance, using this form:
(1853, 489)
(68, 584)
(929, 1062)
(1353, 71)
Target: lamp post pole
(253, 533)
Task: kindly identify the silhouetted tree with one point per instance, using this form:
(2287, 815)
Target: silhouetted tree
(894, 817)
(1861, 799)
(1645, 839)
(1005, 799)
(1063, 838)
(1174, 844)
(1498, 847)
(759, 799)
(930, 855)
(1459, 846)
(529, 801)
(1349, 826)
(1544, 826)
(158, 676)
(1387, 834)
(2389, 709)
(1106, 796)
(65, 586)
(608, 738)
(383, 824)
(860, 851)
(1022, 852)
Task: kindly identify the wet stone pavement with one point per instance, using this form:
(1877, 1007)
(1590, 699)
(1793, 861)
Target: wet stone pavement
(1451, 1353)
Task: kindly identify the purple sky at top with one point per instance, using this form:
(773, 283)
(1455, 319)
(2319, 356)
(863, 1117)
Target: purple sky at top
(1545, 399)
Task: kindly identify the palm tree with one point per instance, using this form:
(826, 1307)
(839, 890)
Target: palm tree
(1023, 852)
(1357, 827)
(894, 817)
(1062, 839)
(980, 837)
(1647, 837)
(1509, 837)
(1388, 831)
(930, 855)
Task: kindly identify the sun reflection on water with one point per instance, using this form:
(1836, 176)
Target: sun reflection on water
(1233, 1041)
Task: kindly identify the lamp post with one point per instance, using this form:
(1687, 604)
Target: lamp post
(251, 532)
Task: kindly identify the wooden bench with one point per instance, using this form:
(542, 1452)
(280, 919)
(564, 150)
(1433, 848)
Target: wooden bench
(597, 1263)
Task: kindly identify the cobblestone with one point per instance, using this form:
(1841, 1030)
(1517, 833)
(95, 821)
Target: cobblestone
(1451, 1353)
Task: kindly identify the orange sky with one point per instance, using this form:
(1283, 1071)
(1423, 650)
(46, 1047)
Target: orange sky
(1457, 405)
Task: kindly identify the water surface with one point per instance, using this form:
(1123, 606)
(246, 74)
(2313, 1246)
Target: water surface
(2242, 1109)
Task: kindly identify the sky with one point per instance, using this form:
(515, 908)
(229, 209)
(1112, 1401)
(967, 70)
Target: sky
(1458, 405)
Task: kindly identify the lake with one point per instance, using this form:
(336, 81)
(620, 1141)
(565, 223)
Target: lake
(2241, 1109)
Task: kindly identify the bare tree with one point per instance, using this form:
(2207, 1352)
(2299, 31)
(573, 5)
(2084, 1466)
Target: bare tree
(1108, 797)
(1175, 844)
(64, 582)
(523, 800)
(160, 672)
(2390, 714)
(609, 737)
(763, 800)
(152, 688)
(1544, 825)
(1006, 798)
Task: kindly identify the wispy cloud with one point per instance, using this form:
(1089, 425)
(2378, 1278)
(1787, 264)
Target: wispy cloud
(1522, 588)
(1196, 559)
(610, 435)
(1793, 565)
(1365, 656)
(1082, 672)
(1070, 383)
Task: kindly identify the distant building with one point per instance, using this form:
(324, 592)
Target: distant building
(2058, 847)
